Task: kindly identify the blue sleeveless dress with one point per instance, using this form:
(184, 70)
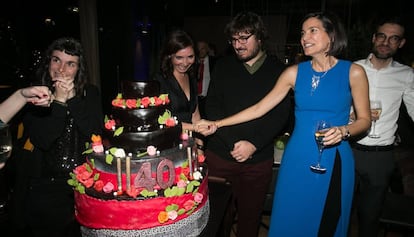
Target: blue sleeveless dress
(300, 201)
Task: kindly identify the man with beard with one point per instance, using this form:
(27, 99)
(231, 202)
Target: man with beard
(243, 154)
(391, 83)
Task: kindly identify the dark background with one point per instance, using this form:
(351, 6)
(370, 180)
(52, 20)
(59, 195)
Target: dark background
(124, 52)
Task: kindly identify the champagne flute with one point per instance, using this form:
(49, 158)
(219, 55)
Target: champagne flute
(376, 109)
(321, 128)
(5, 142)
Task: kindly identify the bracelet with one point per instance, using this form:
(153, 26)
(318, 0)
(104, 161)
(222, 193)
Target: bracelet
(347, 133)
(200, 147)
(60, 103)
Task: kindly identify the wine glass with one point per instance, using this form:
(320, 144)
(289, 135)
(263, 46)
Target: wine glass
(376, 109)
(321, 128)
(5, 142)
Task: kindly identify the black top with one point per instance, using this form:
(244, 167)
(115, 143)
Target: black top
(232, 89)
(179, 104)
(59, 132)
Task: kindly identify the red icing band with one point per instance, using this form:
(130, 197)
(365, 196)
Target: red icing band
(128, 215)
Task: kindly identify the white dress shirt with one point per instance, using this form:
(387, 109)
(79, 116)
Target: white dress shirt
(206, 76)
(391, 85)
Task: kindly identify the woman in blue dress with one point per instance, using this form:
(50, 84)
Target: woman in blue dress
(308, 203)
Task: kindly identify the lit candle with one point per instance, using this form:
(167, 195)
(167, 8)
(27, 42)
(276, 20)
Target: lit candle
(119, 173)
(190, 165)
(128, 171)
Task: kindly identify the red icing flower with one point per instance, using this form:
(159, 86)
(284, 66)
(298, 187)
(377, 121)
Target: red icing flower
(189, 204)
(87, 182)
(82, 172)
(201, 158)
(118, 102)
(145, 101)
(110, 124)
(133, 192)
(170, 122)
(158, 101)
(131, 103)
(98, 186)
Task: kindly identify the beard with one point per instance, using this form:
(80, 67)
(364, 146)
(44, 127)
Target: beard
(249, 57)
(384, 56)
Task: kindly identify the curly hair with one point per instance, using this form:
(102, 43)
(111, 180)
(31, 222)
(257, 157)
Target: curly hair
(247, 22)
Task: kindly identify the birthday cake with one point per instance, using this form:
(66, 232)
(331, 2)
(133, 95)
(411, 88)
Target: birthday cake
(143, 176)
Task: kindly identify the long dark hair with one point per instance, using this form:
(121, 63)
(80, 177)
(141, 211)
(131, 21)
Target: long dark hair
(177, 40)
(72, 47)
(334, 28)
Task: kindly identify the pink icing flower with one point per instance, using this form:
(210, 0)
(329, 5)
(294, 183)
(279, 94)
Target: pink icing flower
(181, 184)
(184, 136)
(131, 103)
(198, 197)
(97, 147)
(172, 215)
(151, 150)
(109, 187)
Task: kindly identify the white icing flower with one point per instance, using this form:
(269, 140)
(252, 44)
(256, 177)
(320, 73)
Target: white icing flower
(197, 175)
(119, 152)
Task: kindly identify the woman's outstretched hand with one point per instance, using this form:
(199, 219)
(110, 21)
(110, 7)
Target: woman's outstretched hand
(205, 127)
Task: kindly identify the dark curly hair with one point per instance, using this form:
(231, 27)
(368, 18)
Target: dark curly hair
(247, 22)
(72, 47)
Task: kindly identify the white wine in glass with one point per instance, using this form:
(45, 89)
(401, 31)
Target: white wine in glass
(5, 142)
(321, 128)
(376, 109)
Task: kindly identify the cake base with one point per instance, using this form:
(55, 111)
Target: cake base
(192, 226)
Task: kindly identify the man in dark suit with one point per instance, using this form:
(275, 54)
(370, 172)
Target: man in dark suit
(205, 66)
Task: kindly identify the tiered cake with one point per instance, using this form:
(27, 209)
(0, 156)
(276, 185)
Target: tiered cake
(143, 178)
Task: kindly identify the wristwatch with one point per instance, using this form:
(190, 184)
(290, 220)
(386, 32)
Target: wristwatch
(347, 134)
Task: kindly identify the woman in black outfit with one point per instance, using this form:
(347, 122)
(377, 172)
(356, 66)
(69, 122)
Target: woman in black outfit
(43, 200)
(178, 79)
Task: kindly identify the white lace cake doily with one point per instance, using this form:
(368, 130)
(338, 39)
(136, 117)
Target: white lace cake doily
(191, 226)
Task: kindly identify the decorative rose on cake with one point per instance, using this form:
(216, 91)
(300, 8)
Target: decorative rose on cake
(97, 144)
(145, 101)
(119, 152)
(81, 177)
(131, 103)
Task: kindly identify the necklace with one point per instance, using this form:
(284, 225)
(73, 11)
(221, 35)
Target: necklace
(316, 79)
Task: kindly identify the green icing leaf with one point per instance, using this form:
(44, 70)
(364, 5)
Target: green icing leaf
(89, 151)
(118, 131)
(108, 159)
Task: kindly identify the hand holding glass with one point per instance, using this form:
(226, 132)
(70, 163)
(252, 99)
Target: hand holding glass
(376, 109)
(321, 128)
(5, 142)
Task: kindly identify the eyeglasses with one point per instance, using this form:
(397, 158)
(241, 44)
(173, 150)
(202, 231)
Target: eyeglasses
(393, 39)
(241, 39)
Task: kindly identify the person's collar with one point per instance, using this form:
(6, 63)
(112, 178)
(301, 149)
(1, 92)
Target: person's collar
(378, 63)
(256, 65)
